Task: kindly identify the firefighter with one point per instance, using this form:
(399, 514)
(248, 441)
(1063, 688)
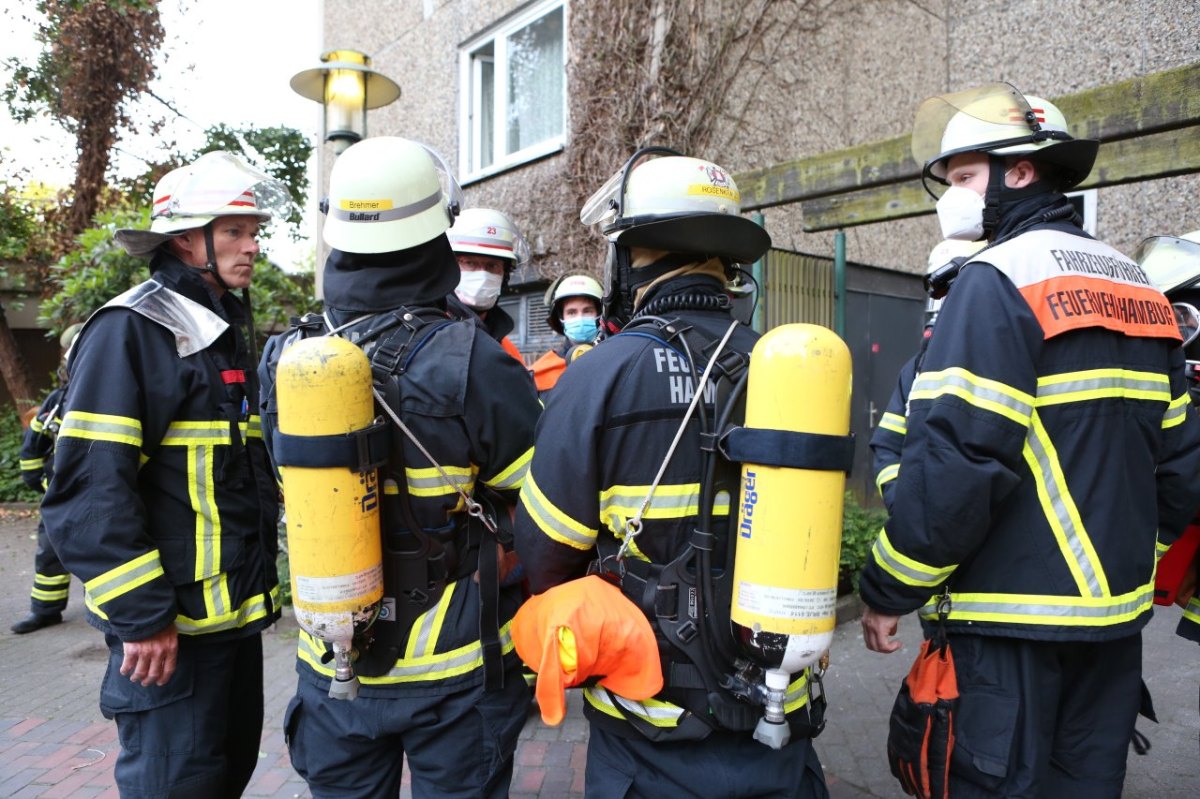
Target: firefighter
(1049, 437)
(488, 246)
(162, 500)
(574, 313)
(440, 682)
(888, 438)
(674, 233)
(1173, 265)
(51, 582)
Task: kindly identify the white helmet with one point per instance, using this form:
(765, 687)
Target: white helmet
(485, 231)
(1171, 263)
(566, 287)
(998, 119)
(684, 206)
(387, 194)
(216, 184)
(947, 254)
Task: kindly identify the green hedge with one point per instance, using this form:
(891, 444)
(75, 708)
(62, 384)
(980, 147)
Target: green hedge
(11, 487)
(860, 527)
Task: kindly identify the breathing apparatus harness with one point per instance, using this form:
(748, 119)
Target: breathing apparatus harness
(687, 600)
(418, 563)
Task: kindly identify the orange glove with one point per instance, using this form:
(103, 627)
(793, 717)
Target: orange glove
(581, 629)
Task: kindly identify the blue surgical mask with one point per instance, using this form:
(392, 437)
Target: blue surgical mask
(581, 329)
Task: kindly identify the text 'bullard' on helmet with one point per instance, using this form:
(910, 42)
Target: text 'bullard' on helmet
(485, 231)
(678, 204)
(388, 194)
(999, 120)
(216, 184)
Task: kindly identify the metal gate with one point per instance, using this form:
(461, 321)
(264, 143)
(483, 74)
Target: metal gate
(797, 288)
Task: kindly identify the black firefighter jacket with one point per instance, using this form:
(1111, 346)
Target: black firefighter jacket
(606, 429)
(162, 501)
(1050, 447)
(37, 443)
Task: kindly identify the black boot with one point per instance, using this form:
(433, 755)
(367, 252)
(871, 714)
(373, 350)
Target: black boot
(36, 621)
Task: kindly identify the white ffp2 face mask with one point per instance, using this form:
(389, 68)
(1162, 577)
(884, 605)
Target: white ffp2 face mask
(960, 213)
(479, 289)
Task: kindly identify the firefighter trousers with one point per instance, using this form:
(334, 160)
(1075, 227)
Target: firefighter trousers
(51, 582)
(458, 745)
(1043, 718)
(197, 736)
(721, 765)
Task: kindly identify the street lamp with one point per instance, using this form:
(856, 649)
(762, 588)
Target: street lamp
(347, 86)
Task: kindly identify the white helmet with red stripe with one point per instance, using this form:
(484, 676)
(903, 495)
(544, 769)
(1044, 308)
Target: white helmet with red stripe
(485, 231)
(216, 184)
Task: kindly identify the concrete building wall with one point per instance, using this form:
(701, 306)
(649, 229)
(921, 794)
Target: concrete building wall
(848, 72)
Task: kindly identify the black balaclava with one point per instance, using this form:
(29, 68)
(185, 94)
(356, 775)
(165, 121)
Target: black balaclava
(358, 283)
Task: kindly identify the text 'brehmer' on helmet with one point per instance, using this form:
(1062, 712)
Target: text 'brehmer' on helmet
(388, 194)
(485, 231)
(662, 200)
(999, 120)
(216, 184)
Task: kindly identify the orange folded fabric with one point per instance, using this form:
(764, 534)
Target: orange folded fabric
(582, 629)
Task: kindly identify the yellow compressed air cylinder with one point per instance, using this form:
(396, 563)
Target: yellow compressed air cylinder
(323, 387)
(789, 530)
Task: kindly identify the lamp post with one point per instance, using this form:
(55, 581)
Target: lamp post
(346, 86)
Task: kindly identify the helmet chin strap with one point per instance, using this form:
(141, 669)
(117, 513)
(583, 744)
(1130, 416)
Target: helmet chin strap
(991, 198)
(210, 264)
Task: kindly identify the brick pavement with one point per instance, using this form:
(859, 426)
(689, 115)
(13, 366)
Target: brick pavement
(54, 742)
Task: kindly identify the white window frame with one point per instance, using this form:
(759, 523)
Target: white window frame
(1089, 209)
(469, 116)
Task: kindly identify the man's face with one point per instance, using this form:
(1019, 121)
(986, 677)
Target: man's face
(968, 171)
(235, 246)
(575, 307)
(470, 262)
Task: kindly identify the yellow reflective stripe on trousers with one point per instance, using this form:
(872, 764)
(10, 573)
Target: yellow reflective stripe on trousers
(553, 522)
(990, 395)
(512, 477)
(1094, 384)
(52, 579)
(124, 578)
(1176, 411)
(251, 610)
(1062, 611)
(102, 427)
(886, 475)
(1160, 549)
(425, 630)
(1061, 512)
(651, 711)
(904, 568)
(430, 483)
(443, 666)
(1192, 611)
(49, 596)
(894, 422)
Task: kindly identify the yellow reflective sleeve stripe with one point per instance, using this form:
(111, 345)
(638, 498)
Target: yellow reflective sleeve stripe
(1060, 611)
(513, 475)
(894, 422)
(429, 482)
(251, 610)
(1093, 384)
(1061, 512)
(102, 427)
(886, 475)
(990, 395)
(553, 522)
(32, 465)
(428, 626)
(1176, 412)
(37, 425)
(904, 568)
(443, 666)
(124, 578)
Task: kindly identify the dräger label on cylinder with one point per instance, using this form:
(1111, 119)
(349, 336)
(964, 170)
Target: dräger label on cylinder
(786, 603)
(749, 500)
